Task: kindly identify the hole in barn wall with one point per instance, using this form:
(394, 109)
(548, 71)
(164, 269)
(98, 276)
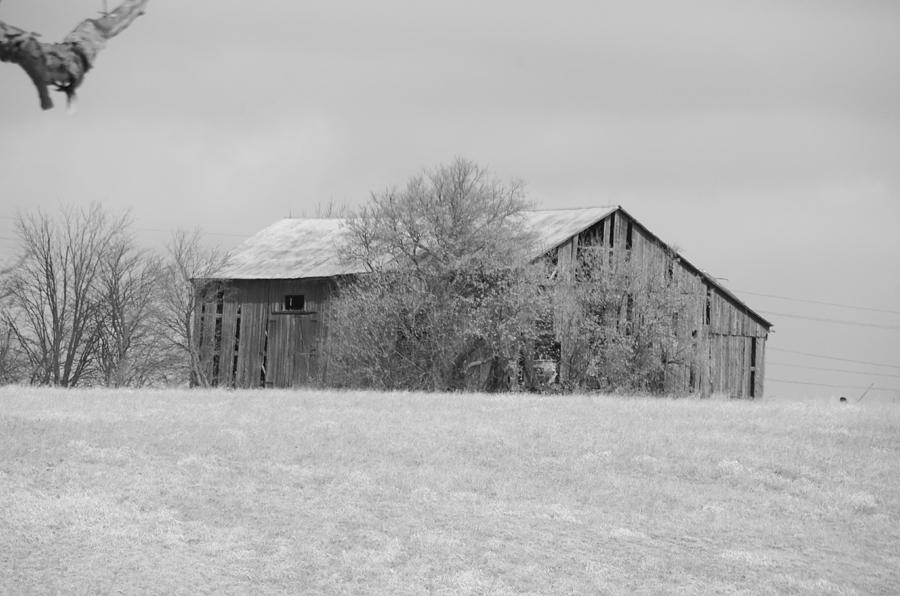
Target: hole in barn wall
(708, 316)
(612, 230)
(265, 356)
(220, 301)
(237, 344)
(753, 367)
(629, 314)
(217, 351)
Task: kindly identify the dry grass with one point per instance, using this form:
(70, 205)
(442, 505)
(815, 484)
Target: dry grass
(303, 492)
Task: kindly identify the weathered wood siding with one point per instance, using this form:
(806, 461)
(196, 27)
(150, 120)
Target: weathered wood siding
(248, 339)
(719, 330)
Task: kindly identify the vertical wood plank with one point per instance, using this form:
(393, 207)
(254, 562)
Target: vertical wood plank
(226, 351)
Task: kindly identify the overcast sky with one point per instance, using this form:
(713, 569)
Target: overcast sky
(762, 138)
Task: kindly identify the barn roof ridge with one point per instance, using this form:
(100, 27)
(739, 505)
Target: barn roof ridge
(307, 247)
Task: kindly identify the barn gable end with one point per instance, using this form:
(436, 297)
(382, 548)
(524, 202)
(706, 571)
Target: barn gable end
(727, 337)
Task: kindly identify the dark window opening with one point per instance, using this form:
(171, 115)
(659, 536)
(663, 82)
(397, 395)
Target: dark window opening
(612, 229)
(201, 321)
(220, 301)
(217, 350)
(629, 314)
(670, 270)
(295, 302)
(629, 235)
(708, 316)
(215, 372)
(265, 358)
(753, 366)
(237, 345)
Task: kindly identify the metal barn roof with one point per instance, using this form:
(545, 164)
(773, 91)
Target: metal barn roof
(310, 248)
(304, 248)
(290, 249)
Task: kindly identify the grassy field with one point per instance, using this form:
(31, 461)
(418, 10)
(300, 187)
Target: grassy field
(306, 492)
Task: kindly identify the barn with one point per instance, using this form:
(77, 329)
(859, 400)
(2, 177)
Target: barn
(264, 326)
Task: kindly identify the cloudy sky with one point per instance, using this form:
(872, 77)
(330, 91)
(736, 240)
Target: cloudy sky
(762, 138)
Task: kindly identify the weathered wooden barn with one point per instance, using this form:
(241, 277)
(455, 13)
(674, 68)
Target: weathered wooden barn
(265, 327)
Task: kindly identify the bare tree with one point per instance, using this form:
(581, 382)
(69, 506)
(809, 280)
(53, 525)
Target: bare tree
(53, 294)
(11, 364)
(131, 348)
(64, 65)
(186, 286)
(451, 298)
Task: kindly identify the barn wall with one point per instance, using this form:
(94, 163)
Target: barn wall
(719, 330)
(247, 337)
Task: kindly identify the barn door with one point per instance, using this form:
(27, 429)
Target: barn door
(291, 357)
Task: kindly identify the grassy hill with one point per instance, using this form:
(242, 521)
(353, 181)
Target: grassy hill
(323, 492)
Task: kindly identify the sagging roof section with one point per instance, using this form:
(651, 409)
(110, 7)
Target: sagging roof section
(298, 248)
(290, 249)
(309, 248)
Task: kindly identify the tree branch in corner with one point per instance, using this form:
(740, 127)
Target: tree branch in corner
(64, 65)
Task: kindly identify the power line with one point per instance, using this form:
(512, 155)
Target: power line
(841, 370)
(165, 232)
(833, 386)
(823, 303)
(832, 357)
(837, 321)
(202, 232)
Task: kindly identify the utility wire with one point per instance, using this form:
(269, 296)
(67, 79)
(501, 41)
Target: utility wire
(841, 370)
(202, 232)
(832, 357)
(833, 386)
(823, 303)
(837, 321)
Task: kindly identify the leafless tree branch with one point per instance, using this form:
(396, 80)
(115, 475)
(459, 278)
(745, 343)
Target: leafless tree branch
(64, 65)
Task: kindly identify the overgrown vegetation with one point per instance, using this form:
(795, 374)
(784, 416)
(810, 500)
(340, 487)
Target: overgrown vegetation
(456, 297)
(108, 491)
(451, 299)
(622, 324)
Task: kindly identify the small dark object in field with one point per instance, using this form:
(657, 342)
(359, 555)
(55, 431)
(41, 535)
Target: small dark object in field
(843, 400)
